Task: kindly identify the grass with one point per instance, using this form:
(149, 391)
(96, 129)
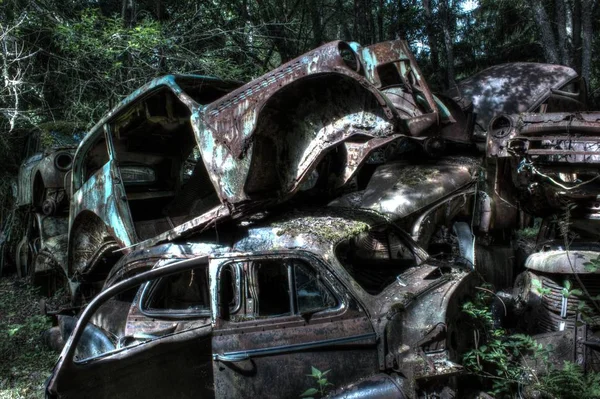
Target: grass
(25, 361)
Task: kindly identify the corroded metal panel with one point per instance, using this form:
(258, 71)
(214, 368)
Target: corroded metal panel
(510, 88)
(262, 142)
(47, 170)
(400, 189)
(25, 182)
(299, 111)
(562, 262)
(98, 194)
(574, 137)
(404, 329)
(553, 158)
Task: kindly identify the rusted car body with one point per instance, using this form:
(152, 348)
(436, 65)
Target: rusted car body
(518, 87)
(42, 180)
(248, 313)
(513, 88)
(421, 196)
(554, 158)
(555, 299)
(186, 152)
(43, 202)
(555, 169)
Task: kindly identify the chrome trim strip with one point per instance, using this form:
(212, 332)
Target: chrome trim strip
(292, 348)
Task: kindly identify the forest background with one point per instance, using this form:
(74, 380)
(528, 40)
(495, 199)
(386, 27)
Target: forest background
(64, 63)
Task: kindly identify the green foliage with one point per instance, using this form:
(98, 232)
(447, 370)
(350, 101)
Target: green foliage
(528, 232)
(539, 288)
(321, 384)
(570, 382)
(502, 359)
(26, 362)
(106, 39)
(567, 290)
(593, 265)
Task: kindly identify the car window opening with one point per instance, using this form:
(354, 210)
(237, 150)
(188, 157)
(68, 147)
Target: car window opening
(283, 287)
(184, 291)
(95, 158)
(375, 259)
(165, 180)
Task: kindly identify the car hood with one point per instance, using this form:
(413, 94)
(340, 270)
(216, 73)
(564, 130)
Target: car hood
(399, 189)
(510, 88)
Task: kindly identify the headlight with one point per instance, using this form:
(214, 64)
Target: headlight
(63, 161)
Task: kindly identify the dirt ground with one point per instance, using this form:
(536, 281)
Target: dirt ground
(25, 362)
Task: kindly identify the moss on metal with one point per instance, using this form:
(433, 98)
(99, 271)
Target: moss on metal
(328, 226)
(414, 175)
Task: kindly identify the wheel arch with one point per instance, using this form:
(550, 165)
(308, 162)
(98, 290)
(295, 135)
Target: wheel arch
(91, 245)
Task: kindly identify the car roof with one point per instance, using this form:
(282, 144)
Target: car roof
(175, 82)
(317, 230)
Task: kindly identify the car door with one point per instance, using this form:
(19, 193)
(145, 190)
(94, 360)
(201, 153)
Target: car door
(99, 188)
(147, 337)
(294, 315)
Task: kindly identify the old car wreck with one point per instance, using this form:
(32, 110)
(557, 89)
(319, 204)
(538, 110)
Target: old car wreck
(184, 153)
(182, 219)
(554, 158)
(41, 216)
(333, 213)
(265, 302)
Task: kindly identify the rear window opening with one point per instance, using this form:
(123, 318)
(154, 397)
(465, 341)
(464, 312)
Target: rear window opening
(375, 259)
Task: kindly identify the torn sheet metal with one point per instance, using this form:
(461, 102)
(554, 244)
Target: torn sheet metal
(291, 117)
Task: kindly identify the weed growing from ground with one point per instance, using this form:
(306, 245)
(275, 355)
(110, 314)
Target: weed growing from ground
(26, 362)
(501, 360)
(321, 384)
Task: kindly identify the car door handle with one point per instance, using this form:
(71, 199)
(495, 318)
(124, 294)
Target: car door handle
(231, 358)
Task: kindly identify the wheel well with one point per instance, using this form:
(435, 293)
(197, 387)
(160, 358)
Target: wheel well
(91, 248)
(38, 190)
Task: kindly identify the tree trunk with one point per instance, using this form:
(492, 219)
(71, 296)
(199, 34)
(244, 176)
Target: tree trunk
(587, 37)
(561, 28)
(343, 21)
(447, 23)
(380, 10)
(546, 36)
(372, 31)
(162, 64)
(576, 18)
(433, 45)
(317, 26)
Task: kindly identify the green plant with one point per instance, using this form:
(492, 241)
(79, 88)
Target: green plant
(497, 356)
(570, 382)
(592, 265)
(567, 291)
(321, 382)
(528, 232)
(501, 359)
(539, 288)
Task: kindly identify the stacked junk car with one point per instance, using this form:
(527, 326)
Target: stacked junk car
(220, 239)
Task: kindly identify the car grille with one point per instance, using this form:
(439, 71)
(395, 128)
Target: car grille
(549, 316)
